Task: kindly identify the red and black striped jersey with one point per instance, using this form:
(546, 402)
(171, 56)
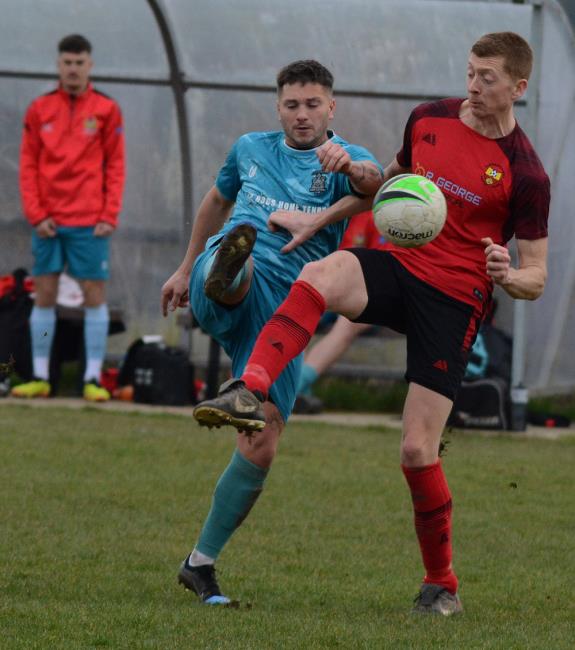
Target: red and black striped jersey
(494, 188)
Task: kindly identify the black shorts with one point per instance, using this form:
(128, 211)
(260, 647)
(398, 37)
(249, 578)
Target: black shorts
(440, 330)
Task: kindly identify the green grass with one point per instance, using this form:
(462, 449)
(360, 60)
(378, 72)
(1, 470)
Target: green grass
(555, 404)
(361, 395)
(378, 396)
(98, 509)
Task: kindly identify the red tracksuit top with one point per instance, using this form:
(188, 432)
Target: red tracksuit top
(72, 159)
(362, 233)
(494, 188)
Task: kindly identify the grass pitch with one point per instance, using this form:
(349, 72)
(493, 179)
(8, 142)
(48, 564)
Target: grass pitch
(98, 509)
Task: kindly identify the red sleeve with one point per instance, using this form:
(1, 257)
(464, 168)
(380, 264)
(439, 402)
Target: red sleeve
(29, 160)
(404, 154)
(442, 108)
(114, 165)
(530, 207)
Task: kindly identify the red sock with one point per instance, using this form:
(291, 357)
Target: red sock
(284, 336)
(432, 506)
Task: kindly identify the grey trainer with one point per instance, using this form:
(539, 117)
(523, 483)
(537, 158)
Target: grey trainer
(233, 251)
(435, 599)
(235, 405)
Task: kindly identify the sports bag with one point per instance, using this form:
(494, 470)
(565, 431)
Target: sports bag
(481, 404)
(15, 307)
(159, 373)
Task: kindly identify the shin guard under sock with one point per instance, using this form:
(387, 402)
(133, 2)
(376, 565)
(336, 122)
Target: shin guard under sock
(236, 492)
(42, 328)
(96, 323)
(432, 507)
(284, 336)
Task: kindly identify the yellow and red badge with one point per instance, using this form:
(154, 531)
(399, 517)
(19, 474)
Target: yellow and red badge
(493, 175)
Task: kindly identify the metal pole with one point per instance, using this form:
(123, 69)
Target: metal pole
(519, 391)
(178, 88)
(178, 85)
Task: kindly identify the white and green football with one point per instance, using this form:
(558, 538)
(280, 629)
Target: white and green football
(409, 210)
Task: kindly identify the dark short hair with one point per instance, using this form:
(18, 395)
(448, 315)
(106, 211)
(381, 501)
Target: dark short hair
(514, 49)
(75, 43)
(306, 71)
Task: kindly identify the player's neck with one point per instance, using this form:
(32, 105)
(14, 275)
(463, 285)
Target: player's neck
(75, 91)
(491, 126)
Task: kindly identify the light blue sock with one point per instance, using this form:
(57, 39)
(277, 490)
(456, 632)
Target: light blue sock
(240, 277)
(236, 492)
(96, 322)
(307, 379)
(42, 328)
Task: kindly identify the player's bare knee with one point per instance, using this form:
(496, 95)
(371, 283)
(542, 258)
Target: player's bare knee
(311, 273)
(314, 273)
(46, 288)
(46, 300)
(94, 292)
(414, 452)
(259, 448)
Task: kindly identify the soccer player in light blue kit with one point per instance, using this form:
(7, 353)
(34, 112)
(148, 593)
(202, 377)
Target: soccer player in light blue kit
(286, 185)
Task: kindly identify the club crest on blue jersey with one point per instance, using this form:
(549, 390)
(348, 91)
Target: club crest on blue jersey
(318, 182)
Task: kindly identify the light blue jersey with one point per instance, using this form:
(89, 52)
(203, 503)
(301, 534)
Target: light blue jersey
(263, 174)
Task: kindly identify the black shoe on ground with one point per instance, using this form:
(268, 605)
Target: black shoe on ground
(233, 251)
(307, 405)
(235, 405)
(435, 599)
(202, 581)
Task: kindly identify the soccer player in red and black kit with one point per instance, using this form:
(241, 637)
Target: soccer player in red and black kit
(496, 188)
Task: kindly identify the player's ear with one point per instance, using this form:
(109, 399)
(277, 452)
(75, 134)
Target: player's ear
(519, 89)
(331, 108)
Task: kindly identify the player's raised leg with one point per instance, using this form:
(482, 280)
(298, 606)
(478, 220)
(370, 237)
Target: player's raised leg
(285, 336)
(229, 270)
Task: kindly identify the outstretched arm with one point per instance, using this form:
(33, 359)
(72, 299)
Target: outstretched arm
(527, 281)
(30, 150)
(114, 171)
(213, 211)
(394, 169)
(303, 226)
(365, 177)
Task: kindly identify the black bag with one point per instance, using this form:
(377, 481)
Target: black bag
(499, 347)
(490, 355)
(481, 404)
(160, 374)
(15, 345)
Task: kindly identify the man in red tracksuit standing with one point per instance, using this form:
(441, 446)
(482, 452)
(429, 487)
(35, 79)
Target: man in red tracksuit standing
(71, 182)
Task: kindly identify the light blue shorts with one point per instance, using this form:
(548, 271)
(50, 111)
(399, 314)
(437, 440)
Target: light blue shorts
(236, 329)
(75, 249)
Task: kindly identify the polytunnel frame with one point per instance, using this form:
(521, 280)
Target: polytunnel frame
(179, 84)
